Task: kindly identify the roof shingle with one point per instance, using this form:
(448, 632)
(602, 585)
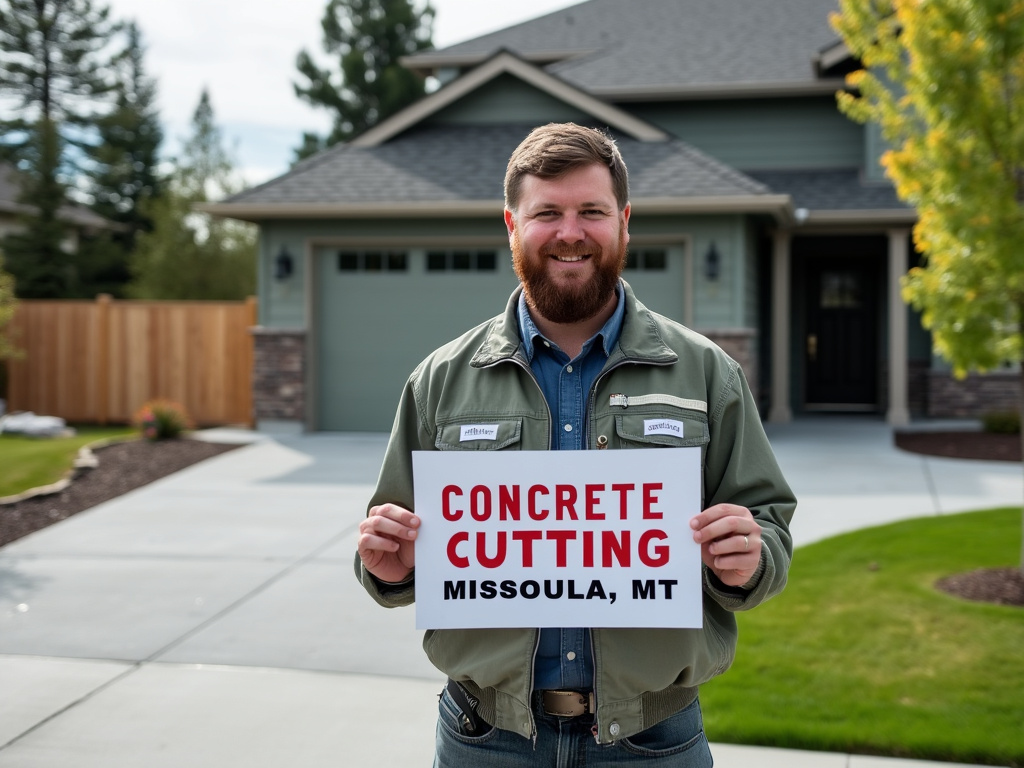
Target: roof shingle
(671, 44)
(467, 163)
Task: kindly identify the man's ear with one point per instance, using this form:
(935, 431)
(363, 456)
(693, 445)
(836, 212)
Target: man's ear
(510, 221)
(625, 222)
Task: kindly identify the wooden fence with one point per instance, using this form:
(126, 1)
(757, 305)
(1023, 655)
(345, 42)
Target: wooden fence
(99, 361)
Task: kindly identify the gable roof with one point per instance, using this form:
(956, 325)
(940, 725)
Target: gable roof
(667, 48)
(503, 63)
(458, 170)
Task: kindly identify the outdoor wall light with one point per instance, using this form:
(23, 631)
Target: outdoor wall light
(712, 263)
(283, 266)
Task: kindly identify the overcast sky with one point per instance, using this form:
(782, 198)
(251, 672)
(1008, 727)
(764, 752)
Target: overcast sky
(244, 52)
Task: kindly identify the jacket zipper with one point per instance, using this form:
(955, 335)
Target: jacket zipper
(591, 402)
(536, 633)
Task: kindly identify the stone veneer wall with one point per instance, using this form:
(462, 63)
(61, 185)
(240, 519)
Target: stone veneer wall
(741, 345)
(972, 397)
(279, 374)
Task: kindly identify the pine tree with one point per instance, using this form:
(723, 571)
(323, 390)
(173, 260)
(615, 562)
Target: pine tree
(368, 37)
(53, 74)
(189, 255)
(124, 167)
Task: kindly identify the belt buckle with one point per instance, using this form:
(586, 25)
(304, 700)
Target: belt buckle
(568, 703)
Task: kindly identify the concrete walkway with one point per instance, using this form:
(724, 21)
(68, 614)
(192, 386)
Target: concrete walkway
(212, 618)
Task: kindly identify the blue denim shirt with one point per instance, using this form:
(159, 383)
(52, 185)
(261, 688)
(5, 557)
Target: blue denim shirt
(565, 656)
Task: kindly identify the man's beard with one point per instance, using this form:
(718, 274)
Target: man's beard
(568, 300)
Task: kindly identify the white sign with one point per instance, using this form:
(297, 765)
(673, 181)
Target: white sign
(557, 539)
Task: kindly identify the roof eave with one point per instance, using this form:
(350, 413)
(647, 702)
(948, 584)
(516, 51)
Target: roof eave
(779, 206)
(832, 218)
(722, 91)
(256, 212)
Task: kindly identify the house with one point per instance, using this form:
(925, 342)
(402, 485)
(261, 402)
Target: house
(760, 215)
(78, 220)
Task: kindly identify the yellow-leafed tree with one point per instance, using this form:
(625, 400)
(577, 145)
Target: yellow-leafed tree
(945, 81)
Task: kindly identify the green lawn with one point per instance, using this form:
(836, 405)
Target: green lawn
(862, 654)
(29, 462)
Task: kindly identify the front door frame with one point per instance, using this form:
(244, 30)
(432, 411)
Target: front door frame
(786, 341)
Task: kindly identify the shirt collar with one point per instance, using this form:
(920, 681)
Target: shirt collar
(609, 333)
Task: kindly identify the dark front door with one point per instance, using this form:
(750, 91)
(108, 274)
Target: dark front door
(840, 347)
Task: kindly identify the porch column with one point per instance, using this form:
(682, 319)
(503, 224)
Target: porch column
(780, 411)
(898, 413)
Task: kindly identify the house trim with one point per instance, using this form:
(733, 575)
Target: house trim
(860, 217)
(500, 64)
(899, 410)
(712, 91)
(778, 205)
(781, 410)
(429, 63)
(833, 55)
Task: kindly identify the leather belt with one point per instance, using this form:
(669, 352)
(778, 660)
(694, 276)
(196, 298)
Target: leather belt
(568, 703)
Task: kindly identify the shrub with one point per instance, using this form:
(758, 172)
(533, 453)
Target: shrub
(1001, 422)
(161, 420)
(7, 348)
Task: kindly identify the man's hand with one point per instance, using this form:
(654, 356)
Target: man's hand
(730, 542)
(387, 542)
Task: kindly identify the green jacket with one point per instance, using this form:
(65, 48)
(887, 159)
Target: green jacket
(664, 370)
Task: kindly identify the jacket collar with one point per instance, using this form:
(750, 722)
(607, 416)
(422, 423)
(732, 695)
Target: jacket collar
(640, 340)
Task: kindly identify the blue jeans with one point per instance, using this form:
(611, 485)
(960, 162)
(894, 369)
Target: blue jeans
(567, 742)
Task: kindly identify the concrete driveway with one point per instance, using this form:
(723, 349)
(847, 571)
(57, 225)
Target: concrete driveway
(212, 618)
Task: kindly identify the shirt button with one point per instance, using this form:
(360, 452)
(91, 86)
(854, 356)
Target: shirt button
(547, 344)
(570, 655)
(568, 368)
(568, 427)
(613, 729)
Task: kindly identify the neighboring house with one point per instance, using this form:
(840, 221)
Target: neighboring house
(78, 220)
(760, 214)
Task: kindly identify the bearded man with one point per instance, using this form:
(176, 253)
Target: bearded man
(557, 371)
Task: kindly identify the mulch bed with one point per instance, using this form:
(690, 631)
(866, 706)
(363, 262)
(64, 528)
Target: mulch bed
(122, 468)
(1004, 586)
(962, 445)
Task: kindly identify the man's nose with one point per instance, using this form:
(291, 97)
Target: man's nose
(570, 229)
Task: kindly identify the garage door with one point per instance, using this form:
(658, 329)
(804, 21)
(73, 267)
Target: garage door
(380, 312)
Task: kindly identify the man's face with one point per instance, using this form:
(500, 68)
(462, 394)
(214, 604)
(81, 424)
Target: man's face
(568, 243)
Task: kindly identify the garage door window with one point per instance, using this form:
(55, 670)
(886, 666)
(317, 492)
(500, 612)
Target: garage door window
(373, 261)
(462, 261)
(647, 260)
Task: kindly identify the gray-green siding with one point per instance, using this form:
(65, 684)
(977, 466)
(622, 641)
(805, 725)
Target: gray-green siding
(507, 99)
(764, 133)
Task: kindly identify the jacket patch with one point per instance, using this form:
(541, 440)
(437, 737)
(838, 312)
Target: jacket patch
(623, 401)
(664, 427)
(478, 432)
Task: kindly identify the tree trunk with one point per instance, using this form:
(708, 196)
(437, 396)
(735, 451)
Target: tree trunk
(1021, 412)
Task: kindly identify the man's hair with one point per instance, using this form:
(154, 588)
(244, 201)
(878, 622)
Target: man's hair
(555, 149)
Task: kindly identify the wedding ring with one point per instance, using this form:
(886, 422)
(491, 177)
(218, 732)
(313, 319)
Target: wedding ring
(746, 543)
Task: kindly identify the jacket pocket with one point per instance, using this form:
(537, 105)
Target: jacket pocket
(479, 435)
(653, 425)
